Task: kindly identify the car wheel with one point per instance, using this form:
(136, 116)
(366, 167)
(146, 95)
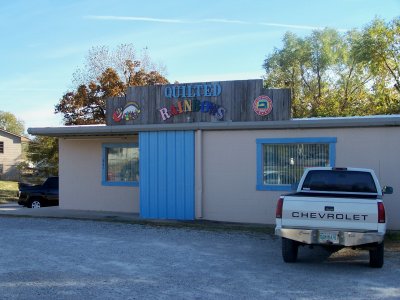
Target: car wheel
(35, 203)
(290, 250)
(376, 256)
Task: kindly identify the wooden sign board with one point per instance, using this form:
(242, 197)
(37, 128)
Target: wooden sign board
(224, 101)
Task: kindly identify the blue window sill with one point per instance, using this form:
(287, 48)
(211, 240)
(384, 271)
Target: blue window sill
(275, 187)
(120, 183)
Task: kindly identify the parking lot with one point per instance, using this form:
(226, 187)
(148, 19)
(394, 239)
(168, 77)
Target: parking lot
(75, 259)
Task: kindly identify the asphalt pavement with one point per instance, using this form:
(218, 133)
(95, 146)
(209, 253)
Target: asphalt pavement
(46, 258)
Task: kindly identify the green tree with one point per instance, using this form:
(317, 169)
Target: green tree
(307, 66)
(320, 55)
(106, 74)
(283, 69)
(379, 49)
(332, 74)
(42, 152)
(349, 89)
(10, 123)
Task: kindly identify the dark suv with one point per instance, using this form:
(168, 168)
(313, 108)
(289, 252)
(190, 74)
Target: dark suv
(36, 196)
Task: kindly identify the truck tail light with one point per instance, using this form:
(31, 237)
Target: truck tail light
(279, 206)
(381, 213)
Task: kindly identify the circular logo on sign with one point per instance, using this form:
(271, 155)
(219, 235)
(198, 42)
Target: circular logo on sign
(262, 105)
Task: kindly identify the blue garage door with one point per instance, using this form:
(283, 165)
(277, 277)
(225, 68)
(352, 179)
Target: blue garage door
(166, 175)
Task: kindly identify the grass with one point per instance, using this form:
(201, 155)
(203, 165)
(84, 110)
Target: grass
(8, 191)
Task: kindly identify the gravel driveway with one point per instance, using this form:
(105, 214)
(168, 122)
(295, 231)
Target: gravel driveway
(72, 259)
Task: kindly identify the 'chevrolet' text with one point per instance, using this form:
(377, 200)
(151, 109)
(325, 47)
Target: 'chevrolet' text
(328, 216)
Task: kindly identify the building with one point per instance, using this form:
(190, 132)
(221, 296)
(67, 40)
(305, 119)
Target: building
(220, 151)
(10, 154)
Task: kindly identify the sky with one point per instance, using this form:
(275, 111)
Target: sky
(43, 42)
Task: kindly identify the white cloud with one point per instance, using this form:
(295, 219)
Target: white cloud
(142, 19)
(293, 26)
(226, 21)
(222, 21)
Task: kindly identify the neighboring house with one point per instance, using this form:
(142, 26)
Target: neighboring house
(10, 154)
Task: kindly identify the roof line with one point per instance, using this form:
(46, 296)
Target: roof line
(102, 130)
(14, 134)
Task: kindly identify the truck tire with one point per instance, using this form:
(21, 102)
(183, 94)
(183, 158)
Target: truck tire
(376, 256)
(290, 249)
(35, 203)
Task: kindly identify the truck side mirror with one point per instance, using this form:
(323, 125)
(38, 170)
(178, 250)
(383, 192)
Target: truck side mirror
(387, 190)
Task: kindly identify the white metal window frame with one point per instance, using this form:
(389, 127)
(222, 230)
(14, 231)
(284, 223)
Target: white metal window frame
(331, 141)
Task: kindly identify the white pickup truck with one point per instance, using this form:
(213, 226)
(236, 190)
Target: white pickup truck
(335, 208)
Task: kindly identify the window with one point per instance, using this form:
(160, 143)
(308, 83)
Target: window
(1, 147)
(340, 181)
(281, 162)
(1, 169)
(120, 164)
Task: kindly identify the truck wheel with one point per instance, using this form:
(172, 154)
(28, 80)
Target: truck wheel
(35, 203)
(376, 256)
(290, 249)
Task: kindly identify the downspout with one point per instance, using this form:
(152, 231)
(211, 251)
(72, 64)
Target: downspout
(199, 174)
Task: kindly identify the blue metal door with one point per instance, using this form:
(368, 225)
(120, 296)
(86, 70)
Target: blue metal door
(166, 181)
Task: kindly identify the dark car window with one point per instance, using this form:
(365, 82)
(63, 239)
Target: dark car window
(51, 183)
(340, 181)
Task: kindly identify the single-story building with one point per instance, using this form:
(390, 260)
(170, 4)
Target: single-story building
(220, 151)
(11, 145)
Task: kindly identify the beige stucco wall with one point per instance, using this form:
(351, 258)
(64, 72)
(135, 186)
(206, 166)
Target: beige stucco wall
(226, 172)
(80, 178)
(229, 170)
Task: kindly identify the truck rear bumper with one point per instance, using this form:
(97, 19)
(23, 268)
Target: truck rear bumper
(346, 238)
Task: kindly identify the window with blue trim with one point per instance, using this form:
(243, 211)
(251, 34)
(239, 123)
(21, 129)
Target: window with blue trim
(120, 164)
(281, 162)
